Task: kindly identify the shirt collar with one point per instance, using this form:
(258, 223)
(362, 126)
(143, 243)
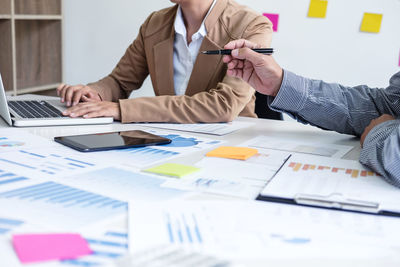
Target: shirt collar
(180, 27)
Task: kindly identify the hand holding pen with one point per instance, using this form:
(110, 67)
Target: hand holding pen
(260, 71)
(264, 51)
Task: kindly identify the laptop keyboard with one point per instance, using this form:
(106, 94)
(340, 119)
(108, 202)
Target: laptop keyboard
(34, 109)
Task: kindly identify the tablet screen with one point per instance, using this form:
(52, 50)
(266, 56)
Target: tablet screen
(108, 141)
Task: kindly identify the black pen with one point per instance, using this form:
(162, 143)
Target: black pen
(265, 51)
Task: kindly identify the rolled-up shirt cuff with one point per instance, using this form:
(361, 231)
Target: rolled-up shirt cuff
(292, 95)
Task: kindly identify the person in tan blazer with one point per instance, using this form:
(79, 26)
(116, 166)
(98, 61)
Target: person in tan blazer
(210, 95)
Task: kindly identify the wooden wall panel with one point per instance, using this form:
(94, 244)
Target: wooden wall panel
(38, 48)
(38, 7)
(6, 68)
(5, 7)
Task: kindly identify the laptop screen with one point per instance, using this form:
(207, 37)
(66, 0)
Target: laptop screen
(4, 111)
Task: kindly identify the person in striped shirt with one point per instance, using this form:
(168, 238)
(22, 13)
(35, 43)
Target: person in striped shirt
(370, 113)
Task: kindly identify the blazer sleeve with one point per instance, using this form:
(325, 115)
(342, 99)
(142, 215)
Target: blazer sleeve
(220, 104)
(129, 74)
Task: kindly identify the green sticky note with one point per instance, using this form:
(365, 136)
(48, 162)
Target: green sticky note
(318, 8)
(371, 23)
(173, 169)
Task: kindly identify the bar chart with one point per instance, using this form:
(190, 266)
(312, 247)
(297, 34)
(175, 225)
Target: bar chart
(353, 173)
(45, 164)
(5, 143)
(7, 225)
(144, 156)
(106, 248)
(281, 144)
(61, 205)
(183, 228)
(123, 184)
(9, 177)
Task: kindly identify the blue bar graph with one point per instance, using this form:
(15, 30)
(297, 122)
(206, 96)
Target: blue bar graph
(105, 254)
(43, 164)
(197, 229)
(16, 163)
(6, 225)
(127, 184)
(6, 221)
(106, 243)
(112, 245)
(81, 263)
(183, 229)
(59, 194)
(116, 234)
(32, 154)
(79, 161)
(8, 177)
(147, 155)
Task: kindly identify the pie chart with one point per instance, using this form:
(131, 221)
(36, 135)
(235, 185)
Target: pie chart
(11, 143)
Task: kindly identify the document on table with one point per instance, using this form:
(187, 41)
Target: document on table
(335, 183)
(206, 128)
(313, 148)
(239, 178)
(55, 205)
(123, 183)
(19, 139)
(48, 162)
(262, 230)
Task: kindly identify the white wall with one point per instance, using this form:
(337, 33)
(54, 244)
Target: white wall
(97, 32)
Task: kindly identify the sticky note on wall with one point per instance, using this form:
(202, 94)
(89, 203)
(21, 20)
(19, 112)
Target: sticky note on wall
(399, 59)
(371, 22)
(274, 18)
(318, 8)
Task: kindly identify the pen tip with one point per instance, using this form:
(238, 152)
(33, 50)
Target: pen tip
(203, 52)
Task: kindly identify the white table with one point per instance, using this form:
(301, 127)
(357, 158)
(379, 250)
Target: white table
(282, 129)
(272, 128)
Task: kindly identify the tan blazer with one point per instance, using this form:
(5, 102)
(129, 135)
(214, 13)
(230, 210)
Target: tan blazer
(211, 96)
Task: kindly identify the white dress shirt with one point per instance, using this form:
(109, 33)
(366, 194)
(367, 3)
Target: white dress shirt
(185, 55)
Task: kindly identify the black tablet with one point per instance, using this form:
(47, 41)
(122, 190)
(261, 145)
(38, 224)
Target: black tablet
(109, 141)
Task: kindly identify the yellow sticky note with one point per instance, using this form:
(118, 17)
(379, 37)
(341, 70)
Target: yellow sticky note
(371, 22)
(231, 152)
(173, 169)
(318, 8)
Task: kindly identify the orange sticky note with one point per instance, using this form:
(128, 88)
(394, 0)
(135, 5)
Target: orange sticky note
(231, 152)
(371, 22)
(318, 8)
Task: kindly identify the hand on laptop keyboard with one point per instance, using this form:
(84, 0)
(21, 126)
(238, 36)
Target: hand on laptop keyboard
(72, 95)
(94, 110)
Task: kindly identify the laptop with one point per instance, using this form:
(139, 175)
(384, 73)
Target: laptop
(24, 113)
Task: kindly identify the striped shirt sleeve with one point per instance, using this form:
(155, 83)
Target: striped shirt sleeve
(348, 110)
(381, 151)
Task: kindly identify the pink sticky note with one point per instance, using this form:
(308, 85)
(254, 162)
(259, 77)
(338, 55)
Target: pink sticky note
(399, 59)
(44, 247)
(274, 18)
